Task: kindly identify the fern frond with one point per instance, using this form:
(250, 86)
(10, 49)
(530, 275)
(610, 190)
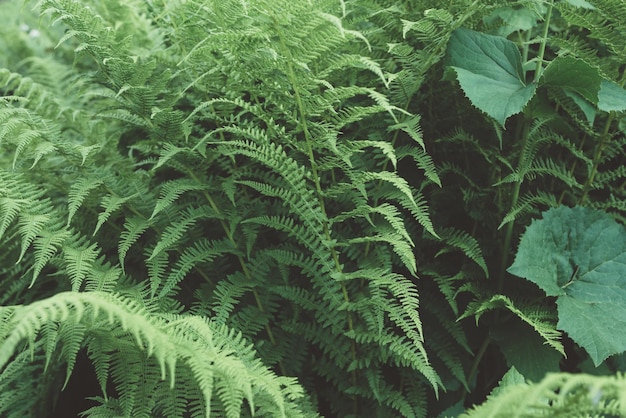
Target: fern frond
(10, 208)
(418, 207)
(111, 203)
(392, 178)
(103, 276)
(401, 247)
(134, 227)
(466, 243)
(203, 251)
(528, 204)
(547, 167)
(540, 319)
(20, 395)
(446, 341)
(423, 161)
(78, 192)
(389, 212)
(175, 232)
(171, 191)
(239, 173)
(71, 333)
(169, 339)
(227, 294)
(47, 243)
(557, 395)
(79, 257)
(401, 352)
(601, 25)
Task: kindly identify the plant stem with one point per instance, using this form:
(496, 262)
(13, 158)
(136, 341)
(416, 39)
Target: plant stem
(514, 198)
(542, 45)
(524, 140)
(525, 133)
(318, 188)
(243, 265)
(598, 154)
(479, 356)
(596, 159)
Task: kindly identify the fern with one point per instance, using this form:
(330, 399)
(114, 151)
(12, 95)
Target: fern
(109, 317)
(260, 208)
(557, 395)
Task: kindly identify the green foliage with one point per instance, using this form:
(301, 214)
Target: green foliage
(109, 325)
(558, 395)
(578, 255)
(268, 208)
(489, 70)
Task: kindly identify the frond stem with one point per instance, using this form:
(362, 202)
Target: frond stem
(243, 265)
(544, 41)
(316, 179)
(506, 247)
(524, 139)
(477, 359)
(596, 159)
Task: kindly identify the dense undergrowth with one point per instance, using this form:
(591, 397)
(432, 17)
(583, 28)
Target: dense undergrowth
(360, 208)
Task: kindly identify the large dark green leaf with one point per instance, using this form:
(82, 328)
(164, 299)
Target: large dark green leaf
(573, 74)
(524, 349)
(581, 80)
(579, 256)
(489, 70)
(611, 97)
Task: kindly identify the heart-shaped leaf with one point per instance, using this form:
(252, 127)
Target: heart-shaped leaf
(489, 70)
(579, 256)
(573, 74)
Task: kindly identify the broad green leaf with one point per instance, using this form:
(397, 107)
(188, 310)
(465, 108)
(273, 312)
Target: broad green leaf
(580, 79)
(579, 256)
(526, 350)
(453, 411)
(573, 74)
(489, 70)
(587, 366)
(511, 378)
(611, 97)
(514, 19)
